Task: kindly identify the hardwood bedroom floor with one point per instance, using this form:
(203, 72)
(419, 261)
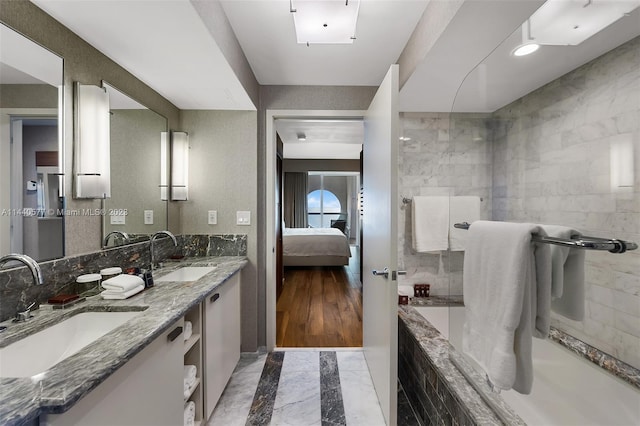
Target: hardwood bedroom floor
(320, 307)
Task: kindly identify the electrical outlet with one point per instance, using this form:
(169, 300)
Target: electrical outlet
(117, 219)
(148, 217)
(212, 217)
(243, 218)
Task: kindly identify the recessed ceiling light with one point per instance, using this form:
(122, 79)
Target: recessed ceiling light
(526, 49)
(302, 137)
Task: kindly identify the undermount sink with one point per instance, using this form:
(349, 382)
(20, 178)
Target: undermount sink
(40, 351)
(187, 273)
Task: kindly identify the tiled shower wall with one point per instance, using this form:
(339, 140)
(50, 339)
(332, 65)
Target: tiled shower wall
(544, 158)
(552, 165)
(441, 154)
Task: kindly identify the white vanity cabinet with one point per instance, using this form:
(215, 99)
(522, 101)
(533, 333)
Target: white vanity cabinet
(221, 339)
(147, 390)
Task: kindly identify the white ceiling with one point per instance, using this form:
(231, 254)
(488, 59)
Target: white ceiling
(267, 35)
(163, 43)
(325, 139)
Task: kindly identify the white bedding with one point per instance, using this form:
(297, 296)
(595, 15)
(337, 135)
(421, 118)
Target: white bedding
(315, 242)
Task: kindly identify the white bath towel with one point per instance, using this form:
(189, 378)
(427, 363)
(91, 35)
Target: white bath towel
(121, 295)
(462, 209)
(189, 373)
(430, 223)
(188, 330)
(122, 283)
(567, 275)
(189, 413)
(507, 288)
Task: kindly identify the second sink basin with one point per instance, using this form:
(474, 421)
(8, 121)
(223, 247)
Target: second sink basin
(187, 273)
(40, 351)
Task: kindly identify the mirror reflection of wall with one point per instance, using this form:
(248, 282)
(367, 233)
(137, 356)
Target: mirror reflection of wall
(135, 207)
(31, 193)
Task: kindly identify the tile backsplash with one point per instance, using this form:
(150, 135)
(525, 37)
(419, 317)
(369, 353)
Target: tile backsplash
(17, 290)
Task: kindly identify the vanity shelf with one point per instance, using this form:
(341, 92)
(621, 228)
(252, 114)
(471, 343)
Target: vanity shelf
(193, 356)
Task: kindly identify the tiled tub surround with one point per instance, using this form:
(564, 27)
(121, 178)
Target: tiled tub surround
(17, 290)
(424, 342)
(437, 391)
(22, 400)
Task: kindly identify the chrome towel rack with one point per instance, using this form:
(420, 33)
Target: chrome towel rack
(580, 242)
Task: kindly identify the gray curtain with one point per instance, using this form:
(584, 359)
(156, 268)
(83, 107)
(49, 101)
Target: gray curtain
(295, 200)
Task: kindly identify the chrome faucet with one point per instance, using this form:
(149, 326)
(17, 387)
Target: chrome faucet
(153, 238)
(36, 272)
(123, 235)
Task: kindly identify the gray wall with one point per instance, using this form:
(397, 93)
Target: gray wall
(135, 170)
(223, 177)
(87, 65)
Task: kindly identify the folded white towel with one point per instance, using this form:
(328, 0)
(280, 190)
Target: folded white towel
(121, 295)
(462, 209)
(188, 330)
(122, 283)
(430, 223)
(189, 413)
(506, 287)
(567, 268)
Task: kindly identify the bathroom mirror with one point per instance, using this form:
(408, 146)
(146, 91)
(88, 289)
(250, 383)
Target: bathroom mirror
(135, 207)
(31, 148)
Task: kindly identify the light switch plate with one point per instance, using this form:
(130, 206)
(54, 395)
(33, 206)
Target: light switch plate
(148, 217)
(117, 219)
(243, 218)
(212, 217)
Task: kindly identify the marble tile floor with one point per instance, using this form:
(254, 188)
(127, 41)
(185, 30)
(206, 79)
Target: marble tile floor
(303, 387)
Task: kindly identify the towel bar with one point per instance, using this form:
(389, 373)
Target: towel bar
(584, 242)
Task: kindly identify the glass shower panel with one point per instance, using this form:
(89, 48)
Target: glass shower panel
(553, 138)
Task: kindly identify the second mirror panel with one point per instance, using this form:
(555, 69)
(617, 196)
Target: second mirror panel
(135, 207)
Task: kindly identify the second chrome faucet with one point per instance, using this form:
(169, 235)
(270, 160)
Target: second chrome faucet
(153, 238)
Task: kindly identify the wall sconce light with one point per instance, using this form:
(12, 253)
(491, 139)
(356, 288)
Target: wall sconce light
(164, 166)
(621, 155)
(179, 166)
(92, 177)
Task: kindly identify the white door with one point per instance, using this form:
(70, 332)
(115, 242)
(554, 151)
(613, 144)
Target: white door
(379, 245)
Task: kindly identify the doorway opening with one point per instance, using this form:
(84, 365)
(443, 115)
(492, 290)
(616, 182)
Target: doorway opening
(319, 303)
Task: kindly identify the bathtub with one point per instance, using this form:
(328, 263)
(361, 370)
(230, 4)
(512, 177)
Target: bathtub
(567, 389)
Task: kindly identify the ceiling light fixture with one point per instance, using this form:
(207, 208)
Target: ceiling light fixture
(325, 22)
(570, 22)
(302, 137)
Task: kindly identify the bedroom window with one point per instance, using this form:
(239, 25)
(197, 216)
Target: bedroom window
(323, 207)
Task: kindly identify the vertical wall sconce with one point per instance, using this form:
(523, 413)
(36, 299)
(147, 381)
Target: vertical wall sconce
(179, 166)
(92, 178)
(164, 166)
(621, 155)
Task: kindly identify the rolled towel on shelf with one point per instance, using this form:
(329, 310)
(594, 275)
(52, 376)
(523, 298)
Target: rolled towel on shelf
(189, 413)
(567, 274)
(189, 374)
(120, 295)
(188, 330)
(122, 283)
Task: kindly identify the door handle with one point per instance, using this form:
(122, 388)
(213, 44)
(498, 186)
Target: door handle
(384, 272)
(214, 297)
(174, 334)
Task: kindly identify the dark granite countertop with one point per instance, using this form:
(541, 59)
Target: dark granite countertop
(24, 399)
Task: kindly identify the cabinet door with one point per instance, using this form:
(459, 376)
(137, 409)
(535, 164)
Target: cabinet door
(147, 390)
(221, 340)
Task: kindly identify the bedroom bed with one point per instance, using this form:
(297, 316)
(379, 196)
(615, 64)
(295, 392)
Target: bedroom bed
(315, 247)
